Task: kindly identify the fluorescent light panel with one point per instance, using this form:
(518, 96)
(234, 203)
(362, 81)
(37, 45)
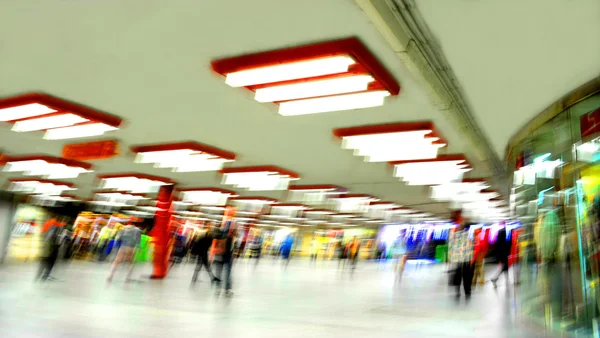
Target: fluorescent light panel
(289, 71)
(49, 122)
(431, 173)
(84, 130)
(183, 160)
(35, 187)
(132, 184)
(205, 197)
(44, 169)
(24, 111)
(257, 181)
(399, 146)
(348, 84)
(333, 103)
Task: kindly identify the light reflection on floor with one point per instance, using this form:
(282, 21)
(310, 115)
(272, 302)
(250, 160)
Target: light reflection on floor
(271, 300)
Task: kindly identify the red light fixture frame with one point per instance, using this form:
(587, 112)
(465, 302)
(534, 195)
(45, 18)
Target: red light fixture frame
(61, 107)
(139, 176)
(392, 128)
(254, 198)
(185, 145)
(318, 187)
(366, 63)
(260, 168)
(440, 158)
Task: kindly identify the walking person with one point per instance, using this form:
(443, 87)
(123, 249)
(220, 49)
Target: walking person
(130, 239)
(354, 251)
(52, 244)
(399, 253)
(286, 248)
(461, 254)
(200, 249)
(502, 248)
(314, 247)
(223, 258)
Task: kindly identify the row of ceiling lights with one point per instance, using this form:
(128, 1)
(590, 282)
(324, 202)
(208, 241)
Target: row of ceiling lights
(329, 76)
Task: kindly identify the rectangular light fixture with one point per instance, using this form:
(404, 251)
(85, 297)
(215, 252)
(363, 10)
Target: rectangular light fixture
(60, 119)
(183, 156)
(314, 194)
(84, 130)
(351, 203)
(441, 170)
(333, 103)
(45, 166)
(392, 142)
(42, 123)
(458, 191)
(24, 111)
(258, 178)
(134, 182)
(289, 71)
(317, 88)
(323, 77)
(40, 186)
(206, 196)
(257, 200)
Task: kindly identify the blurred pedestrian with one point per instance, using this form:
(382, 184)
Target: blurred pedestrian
(223, 257)
(129, 238)
(481, 248)
(51, 249)
(286, 248)
(502, 249)
(399, 253)
(461, 254)
(314, 249)
(354, 251)
(200, 249)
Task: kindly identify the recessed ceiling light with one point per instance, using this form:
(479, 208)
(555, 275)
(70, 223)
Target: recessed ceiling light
(39, 186)
(259, 178)
(134, 182)
(206, 196)
(393, 142)
(46, 166)
(183, 156)
(441, 170)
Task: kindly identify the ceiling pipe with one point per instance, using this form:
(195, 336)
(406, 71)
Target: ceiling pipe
(401, 24)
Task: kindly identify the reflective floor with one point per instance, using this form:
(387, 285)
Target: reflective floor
(270, 300)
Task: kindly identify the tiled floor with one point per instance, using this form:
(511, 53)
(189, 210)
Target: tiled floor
(270, 300)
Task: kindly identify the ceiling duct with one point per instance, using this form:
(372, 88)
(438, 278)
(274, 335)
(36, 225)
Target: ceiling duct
(407, 33)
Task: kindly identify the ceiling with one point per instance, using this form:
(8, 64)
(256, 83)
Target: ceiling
(515, 58)
(148, 62)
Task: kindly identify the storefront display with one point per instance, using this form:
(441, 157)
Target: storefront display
(555, 195)
(26, 240)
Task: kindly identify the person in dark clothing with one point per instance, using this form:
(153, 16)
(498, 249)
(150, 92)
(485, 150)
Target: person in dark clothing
(223, 257)
(51, 248)
(502, 252)
(200, 249)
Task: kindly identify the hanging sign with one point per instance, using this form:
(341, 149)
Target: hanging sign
(96, 150)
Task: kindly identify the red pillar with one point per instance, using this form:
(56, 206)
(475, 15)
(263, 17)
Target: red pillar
(160, 232)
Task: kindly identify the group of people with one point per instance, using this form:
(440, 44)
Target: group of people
(467, 255)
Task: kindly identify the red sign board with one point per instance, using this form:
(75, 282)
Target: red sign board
(590, 123)
(95, 150)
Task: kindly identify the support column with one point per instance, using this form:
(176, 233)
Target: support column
(160, 232)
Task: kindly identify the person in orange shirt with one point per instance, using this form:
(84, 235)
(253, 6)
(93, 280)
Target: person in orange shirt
(354, 249)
